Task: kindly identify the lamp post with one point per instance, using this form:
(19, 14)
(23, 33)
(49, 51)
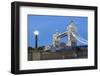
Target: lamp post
(36, 33)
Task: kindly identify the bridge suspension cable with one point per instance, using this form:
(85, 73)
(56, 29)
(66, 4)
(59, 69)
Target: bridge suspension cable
(83, 39)
(79, 39)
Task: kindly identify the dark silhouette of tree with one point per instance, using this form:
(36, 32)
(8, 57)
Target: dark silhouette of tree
(30, 48)
(41, 48)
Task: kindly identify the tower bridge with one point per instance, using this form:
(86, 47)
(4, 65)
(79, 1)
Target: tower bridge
(72, 41)
(70, 34)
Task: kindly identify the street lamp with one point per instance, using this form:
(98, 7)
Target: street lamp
(36, 33)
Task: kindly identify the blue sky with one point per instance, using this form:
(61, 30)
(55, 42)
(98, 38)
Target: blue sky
(47, 25)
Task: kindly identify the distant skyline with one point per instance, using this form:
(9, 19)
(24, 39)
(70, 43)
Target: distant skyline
(47, 25)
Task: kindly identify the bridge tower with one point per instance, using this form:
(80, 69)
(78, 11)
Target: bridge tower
(56, 39)
(71, 28)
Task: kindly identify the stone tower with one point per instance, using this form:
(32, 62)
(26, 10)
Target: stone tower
(71, 28)
(56, 39)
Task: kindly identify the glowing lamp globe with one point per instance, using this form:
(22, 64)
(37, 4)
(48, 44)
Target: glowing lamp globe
(36, 32)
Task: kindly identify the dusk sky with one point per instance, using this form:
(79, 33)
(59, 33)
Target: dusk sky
(47, 25)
